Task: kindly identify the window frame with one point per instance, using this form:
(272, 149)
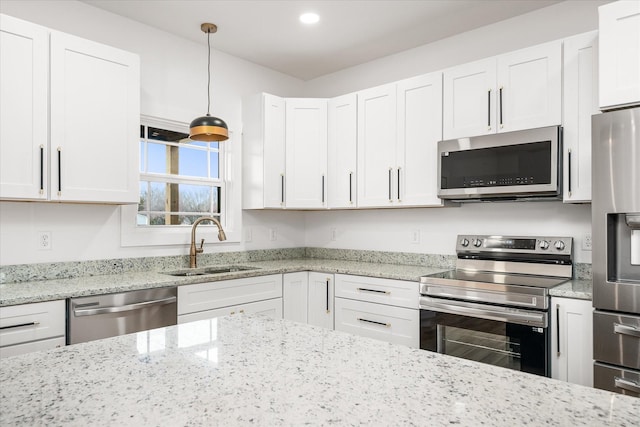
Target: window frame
(230, 200)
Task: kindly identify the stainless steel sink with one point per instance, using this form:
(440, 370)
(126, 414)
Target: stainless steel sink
(206, 271)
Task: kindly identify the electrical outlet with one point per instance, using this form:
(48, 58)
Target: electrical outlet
(334, 234)
(587, 243)
(415, 237)
(44, 240)
(273, 234)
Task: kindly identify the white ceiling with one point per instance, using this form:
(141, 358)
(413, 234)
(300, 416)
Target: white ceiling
(349, 32)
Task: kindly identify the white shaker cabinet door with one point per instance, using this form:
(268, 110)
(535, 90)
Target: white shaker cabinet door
(377, 146)
(580, 103)
(619, 25)
(470, 100)
(419, 130)
(95, 119)
(295, 290)
(306, 153)
(24, 77)
(274, 151)
(320, 300)
(341, 159)
(529, 88)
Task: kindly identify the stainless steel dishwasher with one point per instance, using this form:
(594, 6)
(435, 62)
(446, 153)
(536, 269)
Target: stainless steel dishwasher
(103, 316)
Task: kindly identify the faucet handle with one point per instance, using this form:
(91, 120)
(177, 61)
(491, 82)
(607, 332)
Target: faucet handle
(200, 249)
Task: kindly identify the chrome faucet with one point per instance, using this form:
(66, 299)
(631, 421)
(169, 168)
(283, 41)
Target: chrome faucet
(193, 251)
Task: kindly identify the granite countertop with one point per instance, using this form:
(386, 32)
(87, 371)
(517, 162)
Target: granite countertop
(254, 370)
(49, 290)
(576, 289)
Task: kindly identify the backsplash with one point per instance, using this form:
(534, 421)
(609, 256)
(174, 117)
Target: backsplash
(65, 270)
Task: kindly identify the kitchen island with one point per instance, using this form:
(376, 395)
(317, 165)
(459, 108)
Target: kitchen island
(252, 370)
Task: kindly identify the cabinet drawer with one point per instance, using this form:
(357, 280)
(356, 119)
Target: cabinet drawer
(15, 350)
(618, 340)
(225, 293)
(272, 308)
(31, 322)
(392, 324)
(384, 291)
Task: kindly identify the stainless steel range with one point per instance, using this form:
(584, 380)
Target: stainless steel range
(494, 307)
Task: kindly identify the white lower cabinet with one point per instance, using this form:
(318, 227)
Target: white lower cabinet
(32, 327)
(261, 294)
(572, 340)
(309, 298)
(383, 309)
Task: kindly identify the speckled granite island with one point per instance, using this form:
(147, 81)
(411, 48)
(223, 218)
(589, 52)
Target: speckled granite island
(251, 370)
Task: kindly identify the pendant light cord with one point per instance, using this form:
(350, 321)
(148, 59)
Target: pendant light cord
(208, 72)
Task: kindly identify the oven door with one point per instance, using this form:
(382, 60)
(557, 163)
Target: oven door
(501, 336)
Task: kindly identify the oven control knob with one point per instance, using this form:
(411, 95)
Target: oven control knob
(559, 245)
(477, 243)
(464, 242)
(544, 245)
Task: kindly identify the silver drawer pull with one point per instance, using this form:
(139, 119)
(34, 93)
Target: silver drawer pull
(627, 384)
(119, 309)
(375, 291)
(633, 331)
(21, 325)
(388, 325)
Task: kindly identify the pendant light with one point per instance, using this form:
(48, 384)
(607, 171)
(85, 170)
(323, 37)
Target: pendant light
(208, 128)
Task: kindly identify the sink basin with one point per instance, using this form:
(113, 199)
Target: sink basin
(205, 271)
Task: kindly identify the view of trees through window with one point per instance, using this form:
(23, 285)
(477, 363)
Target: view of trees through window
(179, 178)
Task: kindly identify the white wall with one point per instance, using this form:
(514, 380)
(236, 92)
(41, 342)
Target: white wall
(174, 87)
(393, 229)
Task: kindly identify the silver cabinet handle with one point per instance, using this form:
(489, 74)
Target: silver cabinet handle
(569, 170)
(626, 384)
(281, 189)
(501, 124)
(373, 290)
(558, 328)
(633, 331)
(118, 309)
(398, 185)
(328, 295)
(20, 325)
(41, 169)
(489, 109)
(59, 171)
(390, 172)
(323, 189)
(387, 325)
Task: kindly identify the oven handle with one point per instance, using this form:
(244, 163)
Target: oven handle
(500, 314)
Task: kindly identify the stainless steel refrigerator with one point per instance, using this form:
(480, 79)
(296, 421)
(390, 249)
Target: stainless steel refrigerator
(616, 250)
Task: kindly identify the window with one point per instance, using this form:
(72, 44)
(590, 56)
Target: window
(180, 179)
(179, 182)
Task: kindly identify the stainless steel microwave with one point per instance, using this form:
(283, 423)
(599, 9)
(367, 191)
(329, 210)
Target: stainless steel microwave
(517, 165)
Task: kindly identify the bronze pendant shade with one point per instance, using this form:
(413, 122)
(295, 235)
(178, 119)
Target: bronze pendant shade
(207, 127)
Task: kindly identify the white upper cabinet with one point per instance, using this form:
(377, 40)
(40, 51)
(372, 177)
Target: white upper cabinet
(580, 70)
(88, 152)
(377, 172)
(470, 99)
(619, 25)
(419, 130)
(263, 165)
(95, 121)
(24, 79)
(342, 154)
(306, 153)
(514, 91)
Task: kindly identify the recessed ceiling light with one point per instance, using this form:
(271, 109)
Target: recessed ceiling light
(309, 18)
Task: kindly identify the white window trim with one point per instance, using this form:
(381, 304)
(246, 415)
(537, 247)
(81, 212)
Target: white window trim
(230, 171)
